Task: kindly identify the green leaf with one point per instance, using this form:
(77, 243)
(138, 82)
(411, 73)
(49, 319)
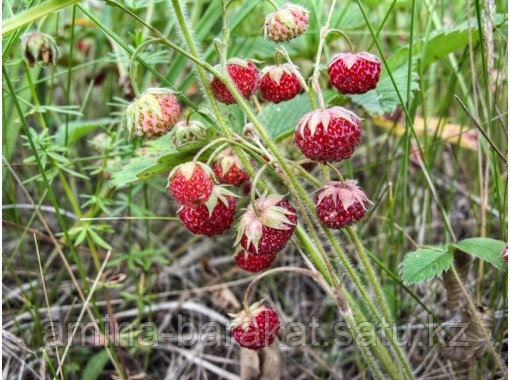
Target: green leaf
(78, 129)
(95, 366)
(487, 249)
(158, 156)
(384, 98)
(30, 15)
(441, 43)
(424, 264)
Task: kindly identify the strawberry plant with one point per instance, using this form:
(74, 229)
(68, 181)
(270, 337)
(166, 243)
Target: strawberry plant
(178, 158)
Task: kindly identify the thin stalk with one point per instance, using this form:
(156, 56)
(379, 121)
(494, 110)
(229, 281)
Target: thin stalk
(479, 323)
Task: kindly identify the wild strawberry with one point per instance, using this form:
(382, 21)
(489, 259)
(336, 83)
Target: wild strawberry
(256, 328)
(288, 22)
(279, 83)
(245, 76)
(504, 254)
(191, 183)
(153, 114)
(229, 169)
(187, 132)
(268, 231)
(341, 204)
(354, 73)
(253, 263)
(37, 47)
(210, 218)
(328, 136)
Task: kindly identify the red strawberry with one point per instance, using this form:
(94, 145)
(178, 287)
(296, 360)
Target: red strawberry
(187, 132)
(328, 136)
(245, 76)
(288, 22)
(229, 168)
(504, 254)
(268, 232)
(253, 263)
(256, 328)
(341, 204)
(153, 114)
(279, 83)
(210, 218)
(191, 183)
(354, 73)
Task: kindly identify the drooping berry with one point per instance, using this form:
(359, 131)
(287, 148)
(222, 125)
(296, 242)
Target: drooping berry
(245, 76)
(341, 204)
(210, 218)
(268, 232)
(279, 83)
(41, 48)
(229, 169)
(328, 136)
(256, 328)
(288, 22)
(354, 73)
(153, 114)
(191, 183)
(254, 263)
(187, 132)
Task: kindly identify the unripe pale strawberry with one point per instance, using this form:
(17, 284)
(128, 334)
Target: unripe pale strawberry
(212, 217)
(191, 183)
(229, 169)
(341, 204)
(288, 22)
(256, 328)
(354, 73)
(187, 132)
(268, 232)
(279, 83)
(153, 114)
(245, 76)
(328, 136)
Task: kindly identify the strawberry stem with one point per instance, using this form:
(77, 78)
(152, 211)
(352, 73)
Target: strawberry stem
(273, 4)
(315, 82)
(132, 74)
(307, 272)
(344, 36)
(340, 178)
(254, 188)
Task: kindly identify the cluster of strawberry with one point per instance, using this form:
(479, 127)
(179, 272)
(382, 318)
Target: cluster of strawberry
(208, 207)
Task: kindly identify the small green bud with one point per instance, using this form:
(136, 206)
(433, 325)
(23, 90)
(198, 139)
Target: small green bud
(40, 48)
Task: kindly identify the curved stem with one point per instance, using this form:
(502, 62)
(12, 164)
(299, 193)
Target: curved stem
(349, 43)
(273, 4)
(132, 74)
(216, 151)
(340, 178)
(212, 143)
(307, 272)
(315, 83)
(254, 188)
